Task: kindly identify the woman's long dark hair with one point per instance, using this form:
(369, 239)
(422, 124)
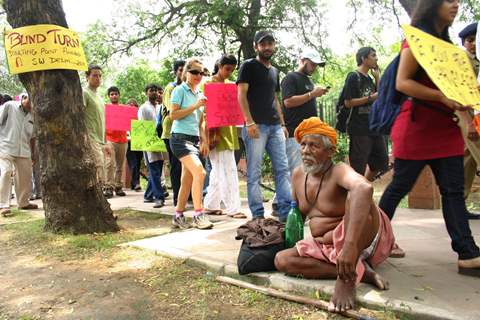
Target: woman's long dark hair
(424, 15)
(225, 59)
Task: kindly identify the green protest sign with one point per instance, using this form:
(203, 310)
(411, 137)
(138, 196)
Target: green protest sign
(143, 137)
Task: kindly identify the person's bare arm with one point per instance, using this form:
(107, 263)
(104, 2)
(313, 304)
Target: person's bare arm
(280, 115)
(296, 101)
(406, 83)
(360, 193)
(204, 149)
(252, 129)
(177, 113)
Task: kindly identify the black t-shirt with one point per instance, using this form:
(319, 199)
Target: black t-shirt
(263, 83)
(357, 86)
(296, 84)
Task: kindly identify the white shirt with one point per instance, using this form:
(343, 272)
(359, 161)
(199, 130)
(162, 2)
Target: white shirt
(148, 111)
(16, 130)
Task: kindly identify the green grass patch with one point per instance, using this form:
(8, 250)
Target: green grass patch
(32, 237)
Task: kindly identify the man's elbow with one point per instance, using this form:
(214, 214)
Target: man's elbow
(348, 103)
(287, 103)
(365, 188)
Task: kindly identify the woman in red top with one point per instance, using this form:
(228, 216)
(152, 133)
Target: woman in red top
(425, 133)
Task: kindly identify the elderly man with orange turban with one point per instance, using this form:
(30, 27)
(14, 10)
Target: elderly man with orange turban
(350, 234)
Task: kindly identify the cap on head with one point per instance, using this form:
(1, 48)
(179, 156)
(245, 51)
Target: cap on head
(313, 56)
(263, 35)
(469, 30)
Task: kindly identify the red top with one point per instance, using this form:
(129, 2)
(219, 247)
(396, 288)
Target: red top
(431, 135)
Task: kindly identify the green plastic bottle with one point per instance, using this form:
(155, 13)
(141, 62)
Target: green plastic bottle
(294, 226)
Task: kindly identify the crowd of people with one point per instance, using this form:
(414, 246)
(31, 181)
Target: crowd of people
(351, 234)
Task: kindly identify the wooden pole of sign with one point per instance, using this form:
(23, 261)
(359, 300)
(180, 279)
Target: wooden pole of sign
(287, 296)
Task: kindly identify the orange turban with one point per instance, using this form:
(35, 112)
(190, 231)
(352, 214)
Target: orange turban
(314, 125)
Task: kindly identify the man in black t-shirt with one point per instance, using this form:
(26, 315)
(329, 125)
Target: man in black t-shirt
(299, 97)
(264, 130)
(366, 147)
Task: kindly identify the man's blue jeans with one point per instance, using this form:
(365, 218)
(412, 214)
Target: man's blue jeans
(449, 176)
(294, 154)
(272, 140)
(154, 186)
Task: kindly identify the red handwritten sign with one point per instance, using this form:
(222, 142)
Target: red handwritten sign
(222, 105)
(119, 116)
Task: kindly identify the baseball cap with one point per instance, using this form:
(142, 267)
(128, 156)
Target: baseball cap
(313, 56)
(262, 35)
(469, 30)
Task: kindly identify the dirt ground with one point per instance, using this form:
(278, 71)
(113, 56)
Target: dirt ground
(46, 276)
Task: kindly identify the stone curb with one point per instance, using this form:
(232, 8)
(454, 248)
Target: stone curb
(305, 287)
(281, 282)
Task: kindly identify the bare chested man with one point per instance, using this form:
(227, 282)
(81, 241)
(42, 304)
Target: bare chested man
(350, 234)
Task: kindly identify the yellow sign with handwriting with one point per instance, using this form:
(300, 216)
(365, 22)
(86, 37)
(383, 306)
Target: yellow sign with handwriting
(43, 47)
(447, 65)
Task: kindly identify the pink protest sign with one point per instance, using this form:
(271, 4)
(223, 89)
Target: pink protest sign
(119, 116)
(222, 105)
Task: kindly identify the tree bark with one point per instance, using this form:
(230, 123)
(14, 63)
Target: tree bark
(408, 5)
(73, 201)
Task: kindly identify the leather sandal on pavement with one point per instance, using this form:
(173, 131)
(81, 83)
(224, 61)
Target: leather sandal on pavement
(29, 206)
(238, 215)
(6, 212)
(397, 252)
(217, 212)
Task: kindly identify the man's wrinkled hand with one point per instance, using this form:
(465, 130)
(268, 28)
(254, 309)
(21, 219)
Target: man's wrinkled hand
(347, 263)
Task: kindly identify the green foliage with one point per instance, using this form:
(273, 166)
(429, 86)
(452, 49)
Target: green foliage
(133, 79)
(96, 44)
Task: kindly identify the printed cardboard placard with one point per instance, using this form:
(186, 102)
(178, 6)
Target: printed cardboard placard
(43, 47)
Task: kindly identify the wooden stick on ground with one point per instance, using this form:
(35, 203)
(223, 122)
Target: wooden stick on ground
(286, 296)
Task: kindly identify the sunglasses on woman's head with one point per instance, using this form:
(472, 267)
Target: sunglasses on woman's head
(196, 72)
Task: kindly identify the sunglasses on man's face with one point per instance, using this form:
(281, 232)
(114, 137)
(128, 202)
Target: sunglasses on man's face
(196, 72)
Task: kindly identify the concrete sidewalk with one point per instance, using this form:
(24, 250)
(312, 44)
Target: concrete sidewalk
(424, 284)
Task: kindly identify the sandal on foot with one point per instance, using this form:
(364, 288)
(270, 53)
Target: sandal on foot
(473, 272)
(238, 215)
(29, 206)
(6, 213)
(217, 212)
(397, 252)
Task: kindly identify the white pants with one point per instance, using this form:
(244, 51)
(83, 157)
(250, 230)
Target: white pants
(23, 180)
(223, 184)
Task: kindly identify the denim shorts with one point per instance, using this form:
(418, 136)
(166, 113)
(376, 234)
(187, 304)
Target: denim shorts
(183, 145)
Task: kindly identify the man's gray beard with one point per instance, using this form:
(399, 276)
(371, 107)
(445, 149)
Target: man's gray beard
(314, 168)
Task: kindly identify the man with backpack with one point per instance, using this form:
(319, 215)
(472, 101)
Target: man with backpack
(360, 91)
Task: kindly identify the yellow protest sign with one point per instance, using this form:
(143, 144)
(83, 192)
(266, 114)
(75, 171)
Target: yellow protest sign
(43, 47)
(143, 137)
(447, 65)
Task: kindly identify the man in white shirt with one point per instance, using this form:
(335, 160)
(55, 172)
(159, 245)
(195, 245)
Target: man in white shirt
(16, 147)
(154, 160)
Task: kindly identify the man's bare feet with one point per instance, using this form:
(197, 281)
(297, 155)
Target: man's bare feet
(469, 267)
(343, 298)
(373, 278)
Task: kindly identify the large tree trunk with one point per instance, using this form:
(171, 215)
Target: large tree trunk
(72, 199)
(408, 5)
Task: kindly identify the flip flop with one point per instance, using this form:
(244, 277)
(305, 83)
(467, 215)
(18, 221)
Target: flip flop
(6, 213)
(397, 252)
(217, 212)
(473, 272)
(238, 215)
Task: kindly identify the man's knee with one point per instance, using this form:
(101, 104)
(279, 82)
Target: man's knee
(282, 260)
